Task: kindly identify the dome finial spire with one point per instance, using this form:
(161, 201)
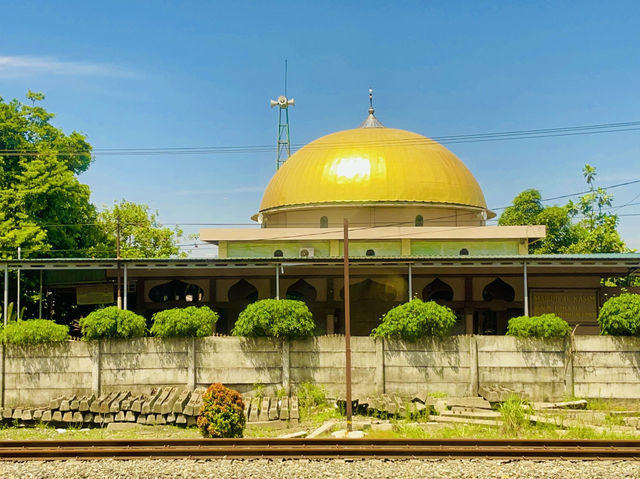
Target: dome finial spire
(371, 121)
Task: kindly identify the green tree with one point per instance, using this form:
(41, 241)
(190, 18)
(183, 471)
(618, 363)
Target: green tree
(587, 226)
(141, 234)
(597, 227)
(43, 207)
(527, 209)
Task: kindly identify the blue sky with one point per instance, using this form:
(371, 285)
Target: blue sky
(186, 74)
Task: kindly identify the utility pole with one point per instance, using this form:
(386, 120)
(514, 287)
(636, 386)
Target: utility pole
(347, 324)
(119, 294)
(18, 286)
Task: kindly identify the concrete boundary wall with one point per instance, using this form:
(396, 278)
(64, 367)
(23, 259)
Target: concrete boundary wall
(587, 366)
(532, 367)
(432, 365)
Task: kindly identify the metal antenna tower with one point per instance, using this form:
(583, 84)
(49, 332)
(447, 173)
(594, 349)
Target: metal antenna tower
(284, 144)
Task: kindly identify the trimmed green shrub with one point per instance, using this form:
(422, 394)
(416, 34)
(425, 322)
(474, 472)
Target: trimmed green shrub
(112, 323)
(620, 316)
(34, 331)
(186, 322)
(416, 319)
(544, 326)
(277, 318)
(221, 413)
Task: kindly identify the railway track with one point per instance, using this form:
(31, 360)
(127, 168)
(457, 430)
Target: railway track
(319, 449)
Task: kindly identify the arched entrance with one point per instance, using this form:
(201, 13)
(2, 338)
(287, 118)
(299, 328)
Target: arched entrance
(499, 305)
(437, 291)
(302, 291)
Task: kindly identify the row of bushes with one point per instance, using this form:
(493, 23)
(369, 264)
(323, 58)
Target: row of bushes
(267, 318)
(619, 316)
(114, 323)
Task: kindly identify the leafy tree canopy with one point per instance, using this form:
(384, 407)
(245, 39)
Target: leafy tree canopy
(45, 210)
(39, 189)
(586, 226)
(141, 235)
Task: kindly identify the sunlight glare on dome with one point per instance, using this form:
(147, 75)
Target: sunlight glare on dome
(346, 170)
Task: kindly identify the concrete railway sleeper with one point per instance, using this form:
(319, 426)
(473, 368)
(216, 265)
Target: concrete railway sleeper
(320, 448)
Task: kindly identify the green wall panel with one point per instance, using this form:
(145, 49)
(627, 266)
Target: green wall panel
(475, 247)
(265, 249)
(381, 248)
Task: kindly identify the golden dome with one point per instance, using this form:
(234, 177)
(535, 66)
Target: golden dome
(372, 164)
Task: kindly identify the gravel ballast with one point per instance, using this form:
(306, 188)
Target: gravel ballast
(335, 469)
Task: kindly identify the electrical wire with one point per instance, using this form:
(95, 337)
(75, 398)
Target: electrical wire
(618, 185)
(408, 141)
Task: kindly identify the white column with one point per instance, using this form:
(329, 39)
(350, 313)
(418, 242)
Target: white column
(277, 281)
(125, 285)
(526, 291)
(410, 281)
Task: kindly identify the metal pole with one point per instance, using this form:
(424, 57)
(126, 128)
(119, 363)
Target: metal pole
(277, 281)
(18, 286)
(410, 282)
(126, 284)
(40, 297)
(5, 306)
(347, 324)
(526, 291)
(119, 295)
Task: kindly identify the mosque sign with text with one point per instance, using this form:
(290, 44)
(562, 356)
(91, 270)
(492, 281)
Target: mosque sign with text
(578, 306)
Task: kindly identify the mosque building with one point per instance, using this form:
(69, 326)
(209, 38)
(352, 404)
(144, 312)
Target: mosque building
(417, 228)
(405, 198)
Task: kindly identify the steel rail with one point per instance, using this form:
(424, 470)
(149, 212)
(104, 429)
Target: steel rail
(319, 448)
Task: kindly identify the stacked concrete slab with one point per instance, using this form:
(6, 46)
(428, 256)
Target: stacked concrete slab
(263, 409)
(168, 405)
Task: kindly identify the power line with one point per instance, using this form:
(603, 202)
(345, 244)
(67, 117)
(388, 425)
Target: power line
(399, 223)
(617, 185)
(413, 139)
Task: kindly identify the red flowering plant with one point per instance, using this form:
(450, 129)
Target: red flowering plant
(221, 413)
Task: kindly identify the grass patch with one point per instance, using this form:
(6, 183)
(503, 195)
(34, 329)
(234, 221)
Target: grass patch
(43, 431)
(613, 405)
(437, 395)
(310, 396)
(614, 420)
(472, 431)
(514, 413)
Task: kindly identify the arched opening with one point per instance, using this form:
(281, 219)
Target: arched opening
(498, 290)
(176, 290)
(302, 291)
(464, 252)
(419, 220)
(243, 291)
(493, 319)
(437, 291)
(324, 222)
(278, 253)
(370, 252)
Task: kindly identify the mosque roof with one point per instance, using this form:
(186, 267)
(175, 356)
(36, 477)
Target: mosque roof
(373, 164)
